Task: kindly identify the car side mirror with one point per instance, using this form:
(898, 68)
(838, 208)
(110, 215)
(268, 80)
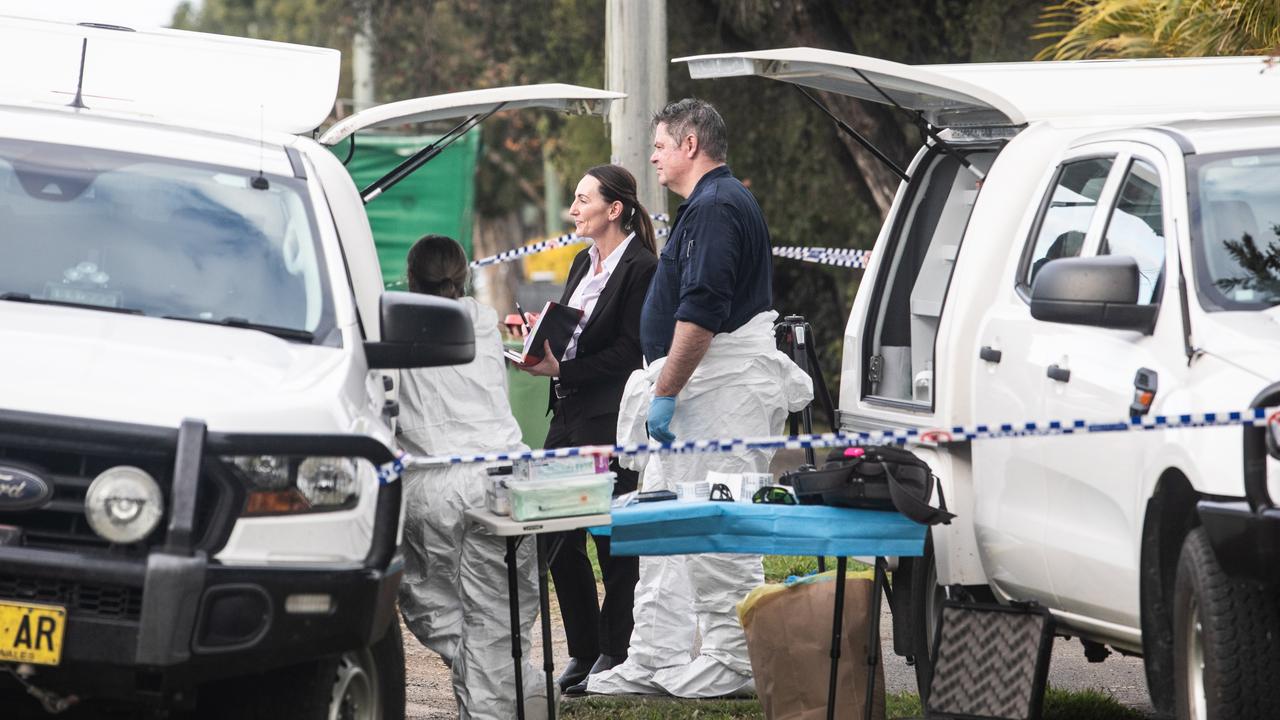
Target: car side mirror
(1101, 291)
(421, 331)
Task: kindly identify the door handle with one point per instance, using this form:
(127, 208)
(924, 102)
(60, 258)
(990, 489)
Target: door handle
(1059, 374)
(990, 354)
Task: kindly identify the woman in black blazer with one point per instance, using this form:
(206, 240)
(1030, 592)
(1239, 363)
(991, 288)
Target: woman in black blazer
(608, 281)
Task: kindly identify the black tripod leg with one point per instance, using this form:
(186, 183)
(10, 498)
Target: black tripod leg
(544, 601)
(513, 593)
(837, 629)
(873, 636)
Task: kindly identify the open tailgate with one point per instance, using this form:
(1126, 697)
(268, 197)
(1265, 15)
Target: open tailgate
(450, 106)
(945, 101)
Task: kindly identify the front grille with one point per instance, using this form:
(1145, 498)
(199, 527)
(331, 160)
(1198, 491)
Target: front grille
(61, 523)
(79, 598)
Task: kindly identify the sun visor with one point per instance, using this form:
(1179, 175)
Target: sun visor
(453, 106)
(169, 74)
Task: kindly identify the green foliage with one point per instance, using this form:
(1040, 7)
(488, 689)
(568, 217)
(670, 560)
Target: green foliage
(1082, 29)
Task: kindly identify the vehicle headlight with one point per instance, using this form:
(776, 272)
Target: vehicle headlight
(282, 484)
(123, 504)
(328, 481)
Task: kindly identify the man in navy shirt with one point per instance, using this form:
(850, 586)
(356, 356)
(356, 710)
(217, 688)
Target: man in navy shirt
(706, 330)
(715, 272)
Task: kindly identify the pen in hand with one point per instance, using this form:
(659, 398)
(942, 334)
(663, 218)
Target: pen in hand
(523, 320)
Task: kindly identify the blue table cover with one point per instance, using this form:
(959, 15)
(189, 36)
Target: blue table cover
(678, 528)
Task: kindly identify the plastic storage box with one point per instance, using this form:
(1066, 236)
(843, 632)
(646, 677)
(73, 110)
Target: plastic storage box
(562, 497)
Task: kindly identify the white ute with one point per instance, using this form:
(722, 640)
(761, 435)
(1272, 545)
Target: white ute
(1114, 249)
(195, 359)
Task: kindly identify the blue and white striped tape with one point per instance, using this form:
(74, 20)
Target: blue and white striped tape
(898, 436)
(841, 257)
(548, 244)
(541, 246)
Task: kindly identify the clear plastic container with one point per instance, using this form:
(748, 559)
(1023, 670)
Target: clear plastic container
(562, 497)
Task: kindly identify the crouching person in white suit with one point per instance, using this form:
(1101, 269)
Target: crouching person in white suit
(713, 371)
(454, 593)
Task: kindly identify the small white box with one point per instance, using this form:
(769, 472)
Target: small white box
(552, 468)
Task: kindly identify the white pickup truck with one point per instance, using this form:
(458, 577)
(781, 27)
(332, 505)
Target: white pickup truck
(195, 357)
(1082, 241)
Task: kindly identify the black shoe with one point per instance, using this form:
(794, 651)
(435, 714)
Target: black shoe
(604, 662)
(575, 672)
(607, 662)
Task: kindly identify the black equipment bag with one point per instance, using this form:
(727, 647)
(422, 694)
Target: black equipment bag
(880, 477)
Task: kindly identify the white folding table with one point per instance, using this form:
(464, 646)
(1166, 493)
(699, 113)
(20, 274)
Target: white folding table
(514, 531)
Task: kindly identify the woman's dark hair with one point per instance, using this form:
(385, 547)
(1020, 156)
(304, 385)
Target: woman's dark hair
(437, 265)
(617, 184)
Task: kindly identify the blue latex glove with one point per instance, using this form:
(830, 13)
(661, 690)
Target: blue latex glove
(660, 412)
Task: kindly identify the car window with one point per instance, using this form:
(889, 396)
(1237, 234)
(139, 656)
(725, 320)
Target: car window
(159, 237)
(1136, 227)
(1235, 229)
(1064, 221)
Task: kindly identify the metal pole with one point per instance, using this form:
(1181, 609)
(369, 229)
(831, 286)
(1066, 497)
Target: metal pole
(513, 593)
(544, 606)
(362, 72)
(636, 63)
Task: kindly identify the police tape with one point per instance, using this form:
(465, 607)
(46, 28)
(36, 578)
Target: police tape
(548, 244)
(841, 257)
(896, 436)
(541, 246)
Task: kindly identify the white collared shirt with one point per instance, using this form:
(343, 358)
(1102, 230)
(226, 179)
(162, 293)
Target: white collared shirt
(589, 290)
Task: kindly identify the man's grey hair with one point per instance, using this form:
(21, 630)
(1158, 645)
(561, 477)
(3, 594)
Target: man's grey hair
(696, 117)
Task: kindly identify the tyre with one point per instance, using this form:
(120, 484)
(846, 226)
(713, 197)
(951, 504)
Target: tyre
(924, 610)
(363, 684)
(1226, 641)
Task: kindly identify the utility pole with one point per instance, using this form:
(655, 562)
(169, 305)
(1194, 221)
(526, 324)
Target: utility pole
(362, 81)
(636, 64)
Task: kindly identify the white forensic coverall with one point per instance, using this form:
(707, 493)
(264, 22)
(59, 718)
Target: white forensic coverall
(742, 388)
(454, 593)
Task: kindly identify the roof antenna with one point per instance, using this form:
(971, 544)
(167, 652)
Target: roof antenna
(260, 182)
(78, 101)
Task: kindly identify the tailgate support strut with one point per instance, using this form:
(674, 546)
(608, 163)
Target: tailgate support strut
(423, 156)
(863, 141)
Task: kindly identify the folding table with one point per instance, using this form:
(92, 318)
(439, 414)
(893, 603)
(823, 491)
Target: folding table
(682, 528)
(514, 531)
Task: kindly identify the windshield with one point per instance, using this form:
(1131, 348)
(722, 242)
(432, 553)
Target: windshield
(1235, 229)
(155, 236)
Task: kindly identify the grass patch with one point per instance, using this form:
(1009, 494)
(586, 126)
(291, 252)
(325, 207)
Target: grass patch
(900, 705)
(1058, 705)
(1082, 704)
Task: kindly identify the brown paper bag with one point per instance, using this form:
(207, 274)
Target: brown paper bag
(789, 641)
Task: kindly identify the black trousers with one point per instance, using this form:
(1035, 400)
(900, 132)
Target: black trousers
(593, 628)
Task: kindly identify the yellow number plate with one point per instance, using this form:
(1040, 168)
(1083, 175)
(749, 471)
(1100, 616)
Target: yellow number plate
(31, 633)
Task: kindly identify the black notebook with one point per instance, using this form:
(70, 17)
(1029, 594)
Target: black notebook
(555, 324)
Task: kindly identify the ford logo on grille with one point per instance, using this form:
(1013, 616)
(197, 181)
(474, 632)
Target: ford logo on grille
(22, 489)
